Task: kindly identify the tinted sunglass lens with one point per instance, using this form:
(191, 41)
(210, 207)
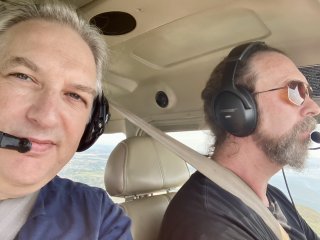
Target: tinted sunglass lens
(303, 91)
(297, 92)
(309, 91)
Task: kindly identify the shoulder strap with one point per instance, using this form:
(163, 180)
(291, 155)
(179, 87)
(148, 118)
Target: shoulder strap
(218, 174)
(284, 234)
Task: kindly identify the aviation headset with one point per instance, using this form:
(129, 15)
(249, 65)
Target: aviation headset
(234, 106)
(99, 119)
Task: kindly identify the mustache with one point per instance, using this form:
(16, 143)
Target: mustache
(306, 125)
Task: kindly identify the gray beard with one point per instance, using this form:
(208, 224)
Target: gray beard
(287, 149)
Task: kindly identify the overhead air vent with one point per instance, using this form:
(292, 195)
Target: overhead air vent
(162, 99)
(114, 23)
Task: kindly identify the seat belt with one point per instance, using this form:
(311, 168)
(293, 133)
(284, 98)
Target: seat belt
(284, 234)
(223, 177)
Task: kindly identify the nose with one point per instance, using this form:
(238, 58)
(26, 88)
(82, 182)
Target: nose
(311, 108)
(44, 110)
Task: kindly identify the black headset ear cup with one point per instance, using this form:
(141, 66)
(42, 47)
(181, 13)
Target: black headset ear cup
(231, 112)
(234, 108)
(99, 119)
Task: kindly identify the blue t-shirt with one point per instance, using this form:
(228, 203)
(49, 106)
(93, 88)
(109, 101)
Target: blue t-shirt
(69, 210)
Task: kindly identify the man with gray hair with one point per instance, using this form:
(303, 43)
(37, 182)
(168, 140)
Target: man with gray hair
(52, 105)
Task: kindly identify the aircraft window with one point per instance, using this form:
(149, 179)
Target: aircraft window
(88, 166)
(200, 141)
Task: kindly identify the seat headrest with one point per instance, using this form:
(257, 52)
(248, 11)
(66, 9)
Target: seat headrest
(140, 165)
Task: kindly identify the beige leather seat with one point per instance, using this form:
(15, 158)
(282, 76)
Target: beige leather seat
(146, 174)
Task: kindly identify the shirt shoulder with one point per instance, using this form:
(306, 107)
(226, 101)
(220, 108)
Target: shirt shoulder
(201, 209)
(77, 211)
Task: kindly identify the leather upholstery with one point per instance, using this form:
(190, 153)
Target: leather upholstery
(144, 172)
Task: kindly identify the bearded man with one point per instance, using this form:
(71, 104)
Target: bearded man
(258, 106)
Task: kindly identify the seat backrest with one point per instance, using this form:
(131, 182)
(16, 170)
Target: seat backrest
(145, 173)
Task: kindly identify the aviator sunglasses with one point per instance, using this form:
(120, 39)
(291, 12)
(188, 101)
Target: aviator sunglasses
(297, 91)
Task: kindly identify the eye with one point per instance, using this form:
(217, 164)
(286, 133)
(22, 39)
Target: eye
(21, 76)
(76, 97)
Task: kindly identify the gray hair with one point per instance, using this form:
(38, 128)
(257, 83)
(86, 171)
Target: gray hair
(15, 11)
